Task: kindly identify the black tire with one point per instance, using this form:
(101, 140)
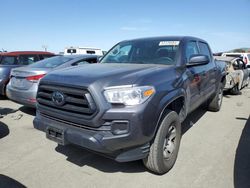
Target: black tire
(215, 103)
(164, 150)
(235, 90)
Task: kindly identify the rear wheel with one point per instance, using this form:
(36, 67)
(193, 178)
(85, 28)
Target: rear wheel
(164, 150)
(216, 102)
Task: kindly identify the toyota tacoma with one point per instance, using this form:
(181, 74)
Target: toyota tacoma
(131, 105)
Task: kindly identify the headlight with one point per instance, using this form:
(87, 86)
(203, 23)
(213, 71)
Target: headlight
(128, 95)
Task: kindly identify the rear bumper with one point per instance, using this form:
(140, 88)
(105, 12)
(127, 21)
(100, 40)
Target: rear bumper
(24, 97)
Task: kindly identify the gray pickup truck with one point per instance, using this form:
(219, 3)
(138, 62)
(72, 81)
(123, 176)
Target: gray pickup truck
(130, 106)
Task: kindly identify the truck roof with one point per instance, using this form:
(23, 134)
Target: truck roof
(174, 38)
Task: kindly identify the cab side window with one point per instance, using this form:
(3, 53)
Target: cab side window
(27, 59)
(191, 50)
(204, 50)
(8, 60)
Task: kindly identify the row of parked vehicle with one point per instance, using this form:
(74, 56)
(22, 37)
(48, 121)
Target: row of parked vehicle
(128, 105)
(20, 72)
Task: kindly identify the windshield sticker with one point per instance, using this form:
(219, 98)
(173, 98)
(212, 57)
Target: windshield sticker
(169, 43)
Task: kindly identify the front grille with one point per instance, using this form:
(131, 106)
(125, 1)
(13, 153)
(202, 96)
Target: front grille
(78, 102)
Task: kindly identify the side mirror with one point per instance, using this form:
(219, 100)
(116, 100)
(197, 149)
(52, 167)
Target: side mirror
(196, 60)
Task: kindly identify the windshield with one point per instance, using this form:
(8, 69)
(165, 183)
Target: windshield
(51, 62)
(143, 52)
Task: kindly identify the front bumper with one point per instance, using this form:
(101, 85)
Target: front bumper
(122, 136)
(24, 97)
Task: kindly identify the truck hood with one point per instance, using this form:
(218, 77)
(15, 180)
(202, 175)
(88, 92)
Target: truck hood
(105, 75)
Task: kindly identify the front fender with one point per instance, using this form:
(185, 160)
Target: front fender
(168, 99)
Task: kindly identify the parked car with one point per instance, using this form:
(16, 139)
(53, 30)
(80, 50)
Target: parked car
(23, 84)
(245, 57)
(237, 73)
(82, 51)
(130, 106)
(11, 60)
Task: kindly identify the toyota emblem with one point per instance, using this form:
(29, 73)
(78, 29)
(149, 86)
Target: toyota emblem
(58, 98)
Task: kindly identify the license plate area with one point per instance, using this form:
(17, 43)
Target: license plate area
(17, 82)
(56, 135)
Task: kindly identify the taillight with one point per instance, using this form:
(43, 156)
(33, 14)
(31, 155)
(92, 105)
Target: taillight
(35, 78)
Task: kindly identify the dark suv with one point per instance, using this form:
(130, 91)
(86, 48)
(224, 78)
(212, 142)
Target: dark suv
(9, 60)
(130, 106)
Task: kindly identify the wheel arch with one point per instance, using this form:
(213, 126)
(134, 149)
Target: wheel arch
(177, 104)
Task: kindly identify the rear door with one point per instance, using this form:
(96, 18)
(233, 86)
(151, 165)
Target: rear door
(209, 71)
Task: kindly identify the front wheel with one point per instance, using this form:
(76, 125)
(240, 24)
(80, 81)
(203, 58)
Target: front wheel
(164, 150)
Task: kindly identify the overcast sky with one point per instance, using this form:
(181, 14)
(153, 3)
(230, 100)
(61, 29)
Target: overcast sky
(30, 24)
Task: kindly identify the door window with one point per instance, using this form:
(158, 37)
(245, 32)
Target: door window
(191, 49)
(204, 49)
(9, 60)
(27, 59)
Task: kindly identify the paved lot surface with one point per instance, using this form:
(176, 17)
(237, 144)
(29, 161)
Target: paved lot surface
(215, 152)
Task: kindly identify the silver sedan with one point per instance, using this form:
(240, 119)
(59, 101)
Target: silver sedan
(24, 81)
